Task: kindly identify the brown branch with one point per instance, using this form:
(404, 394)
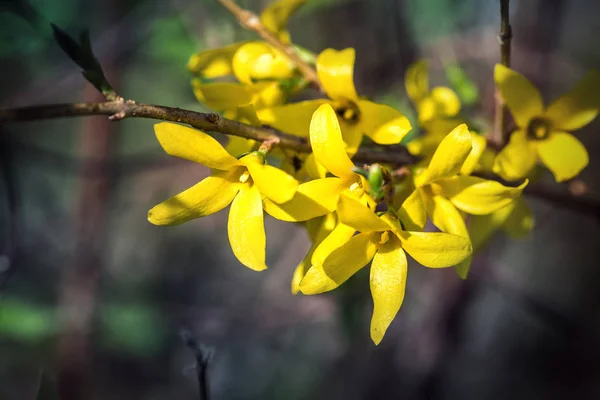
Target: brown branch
(251, 21)
(120, 109)
(501, 133)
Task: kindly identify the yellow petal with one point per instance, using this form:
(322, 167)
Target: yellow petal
(436, 249)
(416, 80)
(442, 102)
(479, 145)
(213, 63)
(327, 144)
(210, 195)
(446, 217)
(325, 226)
(449, 156)
(336, 70)
(520, 221)
(272, 182)
(291, 118)
(246, 229)
(382, 123)
(267, 94)
(388, 284)
(522, 98)
(412, 212)
(222, 95)
(258, 60)
(194, 145)
(564, 155)
(336, 239)
(239, 145)
(275, 17)
(578, 107)
(353, 213)
(517, 159)
(313, 168)
(247, 115)
(312, 199)
(479, 196)
(340, 265)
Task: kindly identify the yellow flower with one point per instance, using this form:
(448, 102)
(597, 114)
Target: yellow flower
(543, 132)
(516, 219)
(382, 240)
(320, 196)
(358, 117)
(436, 103)
(241, 182)
(275, 17)
(442, 192)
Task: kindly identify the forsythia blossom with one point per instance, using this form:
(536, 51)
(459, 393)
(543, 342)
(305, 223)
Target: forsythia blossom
(241, 183)
(361, 214)
(543, 132)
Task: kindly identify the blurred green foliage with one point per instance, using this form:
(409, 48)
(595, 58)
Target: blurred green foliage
(26, 322)
(136, 329)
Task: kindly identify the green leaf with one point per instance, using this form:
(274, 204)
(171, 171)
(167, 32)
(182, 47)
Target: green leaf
(82, 54)
(463, 85)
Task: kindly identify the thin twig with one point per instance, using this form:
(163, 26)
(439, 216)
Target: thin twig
(251, 21)
(504, 38)
(120, 109)
(203, 357)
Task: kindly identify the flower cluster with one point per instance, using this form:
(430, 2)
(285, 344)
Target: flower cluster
(361, 214)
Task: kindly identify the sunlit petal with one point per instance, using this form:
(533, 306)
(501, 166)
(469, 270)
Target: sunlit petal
(312, 199)
(522, 98)
(479, 145)
(291, 118)
(267, 94)
(388, 284)
(447, 218)
(327, 144)
(412, 212)
(272, 182)
(194, 145)
(336, 73)
(258, 60)
(578, 107)
(210, 195)
(517, 159)
(436, 249)
(479, 196)
(353, 213)
(336, 239)
(325, 226)
(383, 124)
(564, 155)
(340, 265)
(449, 156)
(246, 229)
(313, 168)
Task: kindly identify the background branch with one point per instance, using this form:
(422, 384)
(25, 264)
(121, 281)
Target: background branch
(251, 21)
(120, 109)
(501, 133)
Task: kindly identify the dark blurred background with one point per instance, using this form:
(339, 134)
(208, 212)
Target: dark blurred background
(93, 297)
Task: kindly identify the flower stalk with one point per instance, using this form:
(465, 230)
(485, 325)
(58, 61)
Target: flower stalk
(500, 137)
